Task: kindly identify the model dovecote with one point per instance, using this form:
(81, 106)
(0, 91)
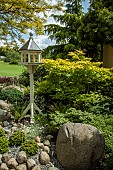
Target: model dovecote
(30, 52)
(31, 58)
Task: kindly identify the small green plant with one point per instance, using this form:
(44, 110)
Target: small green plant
(11, 95)
(2, 133)
(4, 144)
(18, 112)
(30, 147)
(17, 138)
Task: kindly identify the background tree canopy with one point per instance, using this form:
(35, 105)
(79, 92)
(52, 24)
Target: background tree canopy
(18, 16)
(77, 30)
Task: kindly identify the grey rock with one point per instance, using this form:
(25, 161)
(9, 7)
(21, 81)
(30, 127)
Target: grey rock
(36, 167)
(4, 167)
(5, 123)
(46, 149)
(21, 157)
(47, 143)
(4, 105)
(21, 167)
(37, 139)
(0, 159)
(79, 146)
(14, 129)
(53, 168)
(12, 163)
(44, 158)
(5, 157)
(49, 137)
(41, 145)
(30, 163)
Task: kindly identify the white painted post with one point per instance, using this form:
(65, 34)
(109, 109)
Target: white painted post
(32, 95)
(39, 58)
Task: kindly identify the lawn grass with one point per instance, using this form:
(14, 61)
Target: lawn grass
(7, 69)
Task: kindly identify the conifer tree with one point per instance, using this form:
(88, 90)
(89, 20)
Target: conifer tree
(65, 33)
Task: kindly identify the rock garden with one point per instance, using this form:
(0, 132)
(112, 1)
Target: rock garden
(74, 130)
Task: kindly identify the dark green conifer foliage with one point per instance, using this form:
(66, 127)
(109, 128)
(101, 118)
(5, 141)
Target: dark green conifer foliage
(65, 33)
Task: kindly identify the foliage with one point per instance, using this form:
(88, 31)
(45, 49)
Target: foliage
(94, 103)
(65, 32)
(65, 80)
(36, 129)
(30, 147)
(4, 144)
(2, 132)
(17, 138)
(11, 95)
(18, 16)
(17, 110)
(96, 23)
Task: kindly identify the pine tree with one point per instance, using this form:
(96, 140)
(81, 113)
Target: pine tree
(65, 33)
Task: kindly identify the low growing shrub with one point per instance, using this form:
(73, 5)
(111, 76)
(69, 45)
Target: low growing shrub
(4, 144)
(2, 132)
(30, 147)
(11, 95)
(17, 138)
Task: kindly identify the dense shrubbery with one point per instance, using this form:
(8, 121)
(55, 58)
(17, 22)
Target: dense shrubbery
(4, 143)
(30, 147)
(11, 95)
(75, 90)
(17, 138)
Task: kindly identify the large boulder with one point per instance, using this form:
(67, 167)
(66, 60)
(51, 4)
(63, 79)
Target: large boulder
(79, 146)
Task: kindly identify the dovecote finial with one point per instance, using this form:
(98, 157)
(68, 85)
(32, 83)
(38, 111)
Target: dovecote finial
(31, 35)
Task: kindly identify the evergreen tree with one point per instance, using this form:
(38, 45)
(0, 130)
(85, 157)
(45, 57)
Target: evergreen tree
(65, 33)
(96, 29)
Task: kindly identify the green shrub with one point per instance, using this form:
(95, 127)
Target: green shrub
(11, 95)
(2, 132)
(30, 147)
(4, 144)
(17, 138)
(95, 103)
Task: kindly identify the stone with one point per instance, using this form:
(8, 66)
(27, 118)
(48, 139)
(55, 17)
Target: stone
(49, 137)
(0, 159)
(14, 129)
(21, 157)
(41, 145)
(36, 167)
(44, 158)
(2, 115)
(46, 149)
(12, 163)
(4, 105)
(53, 168)
(30, 163)
(4, 167)
(79, 146)
(5, 157)
(21, 167)
(5, 123)
(37, 139)
(47, 143)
